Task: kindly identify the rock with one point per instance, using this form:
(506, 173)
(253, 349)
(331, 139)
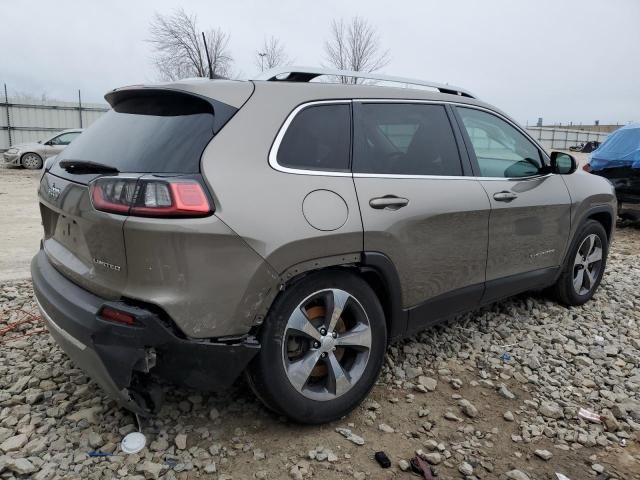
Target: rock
(610, 421)
(214, 414)
(427, 382)
(35, 446)
(517, 475)
(404, 465)
(89, 414)
(211, 468)
(95, 440)
(160, 444)
(21, 466)
(468, 408)
(596, 467)
(452, 416)
(383, 427)
(352, 437)
(434, 458)
(505, 392)
(14, 443)
(551, 410)
(299, 470)
(413, 372)
(181, 441)
(465, 469)
(533, 362)
(544, 454)
(42, 371)
(150, 470)
(5, 433)
(258, 454)
(508, 416)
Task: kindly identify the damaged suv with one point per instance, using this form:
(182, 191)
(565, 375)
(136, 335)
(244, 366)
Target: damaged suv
(289, 229)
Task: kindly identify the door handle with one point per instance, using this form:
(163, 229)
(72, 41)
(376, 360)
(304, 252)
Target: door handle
(505, 196)
(390, 202)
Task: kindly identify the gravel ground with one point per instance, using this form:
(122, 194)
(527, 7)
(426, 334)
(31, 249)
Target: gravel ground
(494, 394)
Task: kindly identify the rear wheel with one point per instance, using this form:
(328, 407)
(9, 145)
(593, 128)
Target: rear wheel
(584, 265)
(32, 161)
(323, 346)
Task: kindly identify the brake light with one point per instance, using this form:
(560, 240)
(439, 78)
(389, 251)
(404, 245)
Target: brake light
(118, 316)
(587, 168)
(149, 197)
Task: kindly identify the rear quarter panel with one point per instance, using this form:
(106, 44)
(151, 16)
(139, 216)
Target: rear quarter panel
(264, 205)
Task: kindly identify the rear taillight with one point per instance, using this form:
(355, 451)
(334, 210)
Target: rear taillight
(150, 197)
(587, 168)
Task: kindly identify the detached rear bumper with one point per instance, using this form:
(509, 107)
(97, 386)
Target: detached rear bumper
(122, 359)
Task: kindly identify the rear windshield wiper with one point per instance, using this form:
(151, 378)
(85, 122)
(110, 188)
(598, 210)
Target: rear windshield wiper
(82, 166)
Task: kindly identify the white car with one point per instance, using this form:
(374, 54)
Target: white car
(33, 155)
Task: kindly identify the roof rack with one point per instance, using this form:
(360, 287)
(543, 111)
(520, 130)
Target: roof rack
(306, 74)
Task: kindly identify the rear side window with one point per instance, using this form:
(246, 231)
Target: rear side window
(149, 132)
(318, 138)
(404, 139)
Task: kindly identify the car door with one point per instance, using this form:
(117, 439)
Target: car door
(59, 143)
(418, 207)
(530, 207)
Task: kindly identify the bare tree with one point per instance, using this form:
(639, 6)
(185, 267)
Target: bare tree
(180, 48)
(271, 54)
(355, 46)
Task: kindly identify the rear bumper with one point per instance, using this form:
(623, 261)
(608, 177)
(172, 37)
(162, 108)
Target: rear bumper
(126, 360)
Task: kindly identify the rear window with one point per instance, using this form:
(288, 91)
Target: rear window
(319, 138)
(149, 132)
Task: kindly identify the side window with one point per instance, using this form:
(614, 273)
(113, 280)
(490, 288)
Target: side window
(65, 138)
(318, 138)
(501, 150)
(404, 139)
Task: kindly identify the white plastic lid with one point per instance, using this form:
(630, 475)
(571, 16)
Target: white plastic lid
(133, 442)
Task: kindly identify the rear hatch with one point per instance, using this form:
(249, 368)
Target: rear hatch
(140, 158)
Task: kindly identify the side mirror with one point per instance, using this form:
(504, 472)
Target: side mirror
(563, 163)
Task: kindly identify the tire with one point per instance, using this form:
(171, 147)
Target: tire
(31, 161)
(313, 377)
(573, 288)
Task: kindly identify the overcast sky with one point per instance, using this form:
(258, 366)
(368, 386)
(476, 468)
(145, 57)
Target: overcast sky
(575, 60)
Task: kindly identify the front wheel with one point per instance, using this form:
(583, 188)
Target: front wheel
(32, 161)
(584, 265)
(323, 346)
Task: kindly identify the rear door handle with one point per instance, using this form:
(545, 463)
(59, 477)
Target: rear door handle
(504, 196)
(390, 202)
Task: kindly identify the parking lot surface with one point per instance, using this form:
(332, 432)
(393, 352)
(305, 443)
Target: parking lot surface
(20, 220)
(495, 393)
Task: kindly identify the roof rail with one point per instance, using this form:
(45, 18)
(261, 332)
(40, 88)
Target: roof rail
(306, 74)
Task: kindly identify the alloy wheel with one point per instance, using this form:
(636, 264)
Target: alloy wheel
(327, 341)
(31, 161)
(587, 264)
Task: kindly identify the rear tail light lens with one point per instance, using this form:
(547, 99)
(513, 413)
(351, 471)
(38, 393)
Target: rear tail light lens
(118, 316)
(150, 197)
(587, 168)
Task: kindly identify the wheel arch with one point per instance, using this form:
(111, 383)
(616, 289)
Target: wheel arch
(375, 268)
(601, 214)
